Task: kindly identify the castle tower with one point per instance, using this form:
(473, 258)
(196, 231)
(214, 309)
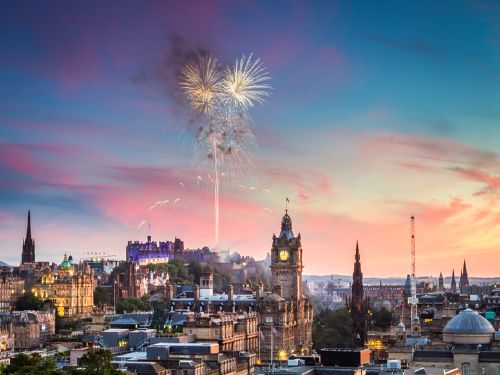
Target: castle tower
(286, 261)
(453, 285)
(28, 255)
(358, 306)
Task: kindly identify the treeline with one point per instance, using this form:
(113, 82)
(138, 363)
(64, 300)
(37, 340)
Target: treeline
(333, 328)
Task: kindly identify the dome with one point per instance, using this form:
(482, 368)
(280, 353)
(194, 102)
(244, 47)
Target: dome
(65, 264)
(468, 327)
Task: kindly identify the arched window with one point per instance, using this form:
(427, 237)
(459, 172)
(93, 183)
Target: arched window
(465, 368)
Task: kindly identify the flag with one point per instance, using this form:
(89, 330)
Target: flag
(274, 331)
(288, 200)
(261, 335)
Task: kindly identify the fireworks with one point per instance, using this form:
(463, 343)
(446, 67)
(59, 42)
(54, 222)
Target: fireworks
(245, 83)
(224, 140)
(201, 83)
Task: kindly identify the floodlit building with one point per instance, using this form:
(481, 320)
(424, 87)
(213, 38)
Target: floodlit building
(70, 287)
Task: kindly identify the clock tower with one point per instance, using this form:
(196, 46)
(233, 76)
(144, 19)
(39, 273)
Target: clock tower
(286, 261)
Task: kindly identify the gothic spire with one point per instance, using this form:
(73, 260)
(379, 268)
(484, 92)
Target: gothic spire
(358, 302)
(28, 229)
(453, 282)
(28, 254)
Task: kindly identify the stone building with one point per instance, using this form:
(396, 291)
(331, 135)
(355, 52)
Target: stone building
(7, 344)
(469, 344)
(11, 288)
(70, 287)
(233, 332)
(28, 329)
(285, 315)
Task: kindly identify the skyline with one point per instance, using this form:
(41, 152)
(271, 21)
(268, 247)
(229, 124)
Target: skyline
(378, 112)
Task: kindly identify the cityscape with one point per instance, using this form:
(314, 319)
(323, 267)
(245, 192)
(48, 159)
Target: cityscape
(249, 188)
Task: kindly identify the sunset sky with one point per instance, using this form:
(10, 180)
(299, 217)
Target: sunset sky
(379, 110)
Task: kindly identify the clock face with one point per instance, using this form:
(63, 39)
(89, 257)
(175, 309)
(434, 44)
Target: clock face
(283, 255)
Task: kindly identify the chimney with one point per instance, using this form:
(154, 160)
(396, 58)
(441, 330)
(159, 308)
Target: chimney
(196, 291)
(230, 298)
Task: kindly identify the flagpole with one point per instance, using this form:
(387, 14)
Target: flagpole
(260, 333)
(272, 354)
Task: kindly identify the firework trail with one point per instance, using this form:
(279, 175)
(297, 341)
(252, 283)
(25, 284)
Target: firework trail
(223, 96)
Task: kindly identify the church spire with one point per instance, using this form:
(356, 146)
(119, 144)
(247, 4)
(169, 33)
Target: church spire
(28, 230)
(464, 279)
(359, 306)
(28, 254)
(453, 282)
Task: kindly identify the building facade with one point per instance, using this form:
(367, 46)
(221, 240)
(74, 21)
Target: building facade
(70, 287)
(152, 251)
(11, 288)
(285, 315)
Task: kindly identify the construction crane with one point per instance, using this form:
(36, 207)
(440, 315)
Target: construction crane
(413, 300)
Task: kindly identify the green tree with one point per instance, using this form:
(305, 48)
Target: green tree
(28, 301)
(382, 319)
(332, 329)
(178, 272)
(101, 296)
(23, 364)
(96, 362)
(128, 305)
(160, 315)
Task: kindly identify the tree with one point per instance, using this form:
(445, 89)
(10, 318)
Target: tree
(96, 362)
(28, 301)
(160, 315)
(31, 365)
(382, 319)
(332, 329)
(101, 296)
(128, 305)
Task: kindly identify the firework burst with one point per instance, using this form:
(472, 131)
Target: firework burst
(224, 140)
(201, 83)
(245, 83)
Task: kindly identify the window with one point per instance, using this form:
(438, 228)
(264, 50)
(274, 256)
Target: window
(465, 368)
(498, 370)
(184, 372)
(269, 319)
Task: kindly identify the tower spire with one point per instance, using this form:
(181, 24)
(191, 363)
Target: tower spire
(358, 305)
(28, 254)
(28, 229)
(453, 282)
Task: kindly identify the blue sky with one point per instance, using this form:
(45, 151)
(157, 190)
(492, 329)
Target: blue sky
(379, 110)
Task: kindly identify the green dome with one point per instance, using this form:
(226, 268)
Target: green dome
(65, 264)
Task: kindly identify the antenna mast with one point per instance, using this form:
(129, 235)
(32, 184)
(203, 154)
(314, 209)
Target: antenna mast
(413, 300)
